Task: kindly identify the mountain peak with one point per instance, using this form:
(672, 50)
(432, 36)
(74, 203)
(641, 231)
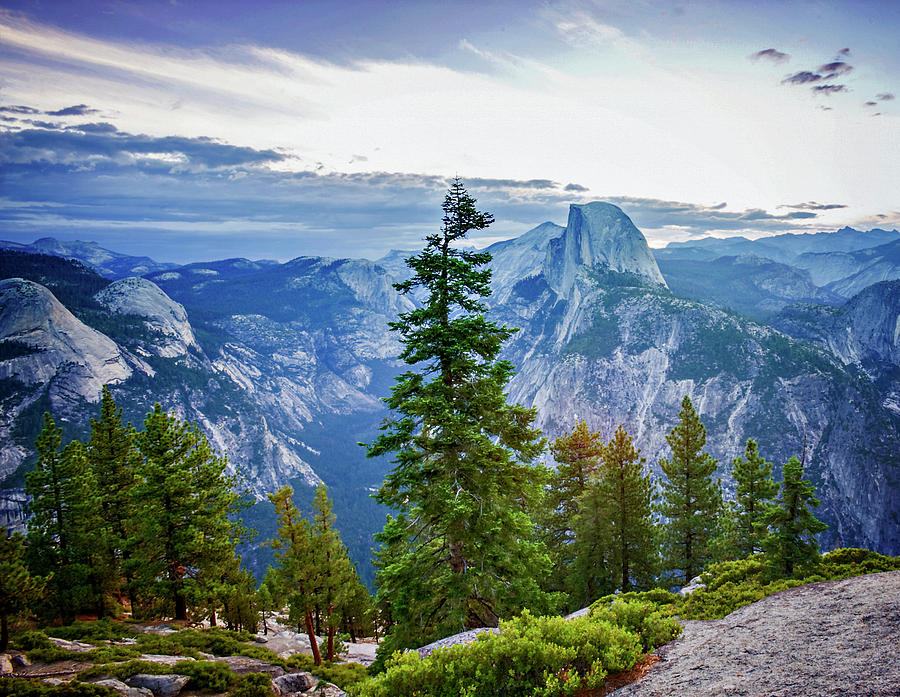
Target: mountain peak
(598, 234)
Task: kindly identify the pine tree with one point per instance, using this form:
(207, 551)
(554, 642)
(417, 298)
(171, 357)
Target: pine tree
(294, 553)
(754, 492)
(629, 528)
(64, 517)
(578, 455)
(691, 500)
(332, 566)
(462, 548)
(114, 460)
(183, 502)
(18, 588)
(791, 542)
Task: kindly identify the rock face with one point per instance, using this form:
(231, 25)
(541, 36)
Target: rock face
(160, 314)
(598, 235)
(49, 355)
(159, 685)
(827, 638)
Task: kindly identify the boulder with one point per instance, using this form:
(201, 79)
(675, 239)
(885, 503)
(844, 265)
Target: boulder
(163, 659)
(73, 646)
(326, 689)
(124, 689)
(293, 683)
(159, 685)
(20, 660)
(244, 664)
(695, 584)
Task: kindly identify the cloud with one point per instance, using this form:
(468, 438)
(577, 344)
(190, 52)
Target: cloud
(844, 52)
(801, 78)
(577, 188)
(93, 144)
(830, 89)
(770, 54)
(884, 97)
(813, 206)
(77, 110)
(834, 69)
(19, 109)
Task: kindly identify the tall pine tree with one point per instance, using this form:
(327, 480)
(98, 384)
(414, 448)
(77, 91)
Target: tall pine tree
(61, 531)
(791, 542)
(629, 495)
(18, 588)
(754, 491)
(461, 552)
(183, 502)
(691, 501)
(578, 455)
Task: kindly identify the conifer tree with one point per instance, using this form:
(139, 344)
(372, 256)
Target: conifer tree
(628, 522)
(18, 588)
(791, 542)
(462, 550)
(294, 553)
(577, 454)
(114, 460)
(182, 502)
(64, 517)
(691, 500)
(754, 492)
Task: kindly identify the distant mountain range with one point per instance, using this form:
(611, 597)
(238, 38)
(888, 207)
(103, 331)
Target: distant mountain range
(284, 365)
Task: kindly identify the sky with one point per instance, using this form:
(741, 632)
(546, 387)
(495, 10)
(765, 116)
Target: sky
(196, 130)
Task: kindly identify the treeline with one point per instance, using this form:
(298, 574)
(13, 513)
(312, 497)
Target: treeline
(150, 521)
(609, 528)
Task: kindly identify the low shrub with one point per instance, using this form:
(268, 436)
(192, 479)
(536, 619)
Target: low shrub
(540, 656)
(253, 685)
(93, 631)
(26, 641)
(111, 654)
(123, 671)
(53, 653)
(344, 675)
(210, 675)
(20, 687)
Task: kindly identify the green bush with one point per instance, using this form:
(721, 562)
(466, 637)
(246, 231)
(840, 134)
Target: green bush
(111, 654)
(26, 641)
(211, 675)
(253, 685)
(93, 631)
(53, 653)
(653, 624)
(219, 642)
(540, 656)
(20, 687)
(123, 671)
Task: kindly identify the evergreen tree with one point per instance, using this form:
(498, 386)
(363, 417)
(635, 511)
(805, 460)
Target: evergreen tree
(331, 566)
(791, 542)
(754, 492)
(18, 588)
(462, 550)
(294, 553)
(691, 500)
(64, 517)
(577, 454)
(629, 528)
(183, 501)
(114, 460)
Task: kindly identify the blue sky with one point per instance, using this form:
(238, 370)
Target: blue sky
(197, 130)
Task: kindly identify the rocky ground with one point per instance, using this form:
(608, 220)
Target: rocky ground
(829, 638)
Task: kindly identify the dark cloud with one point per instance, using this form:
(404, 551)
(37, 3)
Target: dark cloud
(578, 188)
(844, 52)
(77, 110)
(772, 55)
(871, 104)
(92, 145)
(830, 89)
(884, 97)
(19, 109)
(802, 78)
(834, 69)
(41, 124)
(102, 127)
(813, 206)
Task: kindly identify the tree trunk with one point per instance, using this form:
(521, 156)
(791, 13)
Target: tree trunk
(4, 632)
(329, 654)
(313, 644)
(180, 606)
(212, 615)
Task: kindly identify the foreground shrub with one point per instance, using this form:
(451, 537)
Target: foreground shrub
(344, 675)
(21, 687)
(123, 671)
(253, 685)
(539, 656)
(93, 631)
